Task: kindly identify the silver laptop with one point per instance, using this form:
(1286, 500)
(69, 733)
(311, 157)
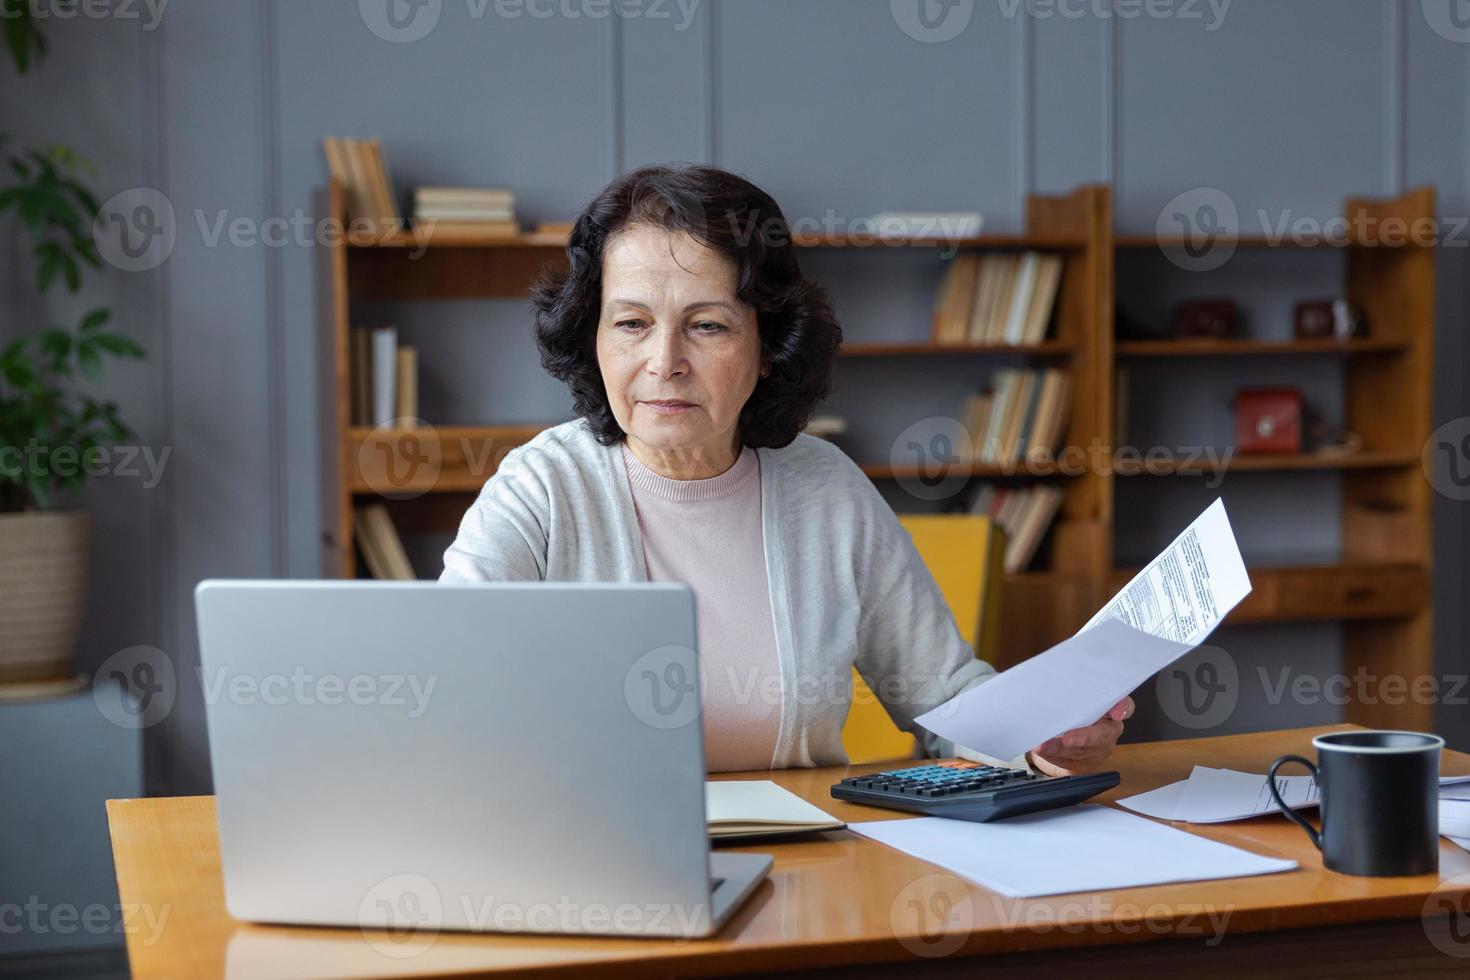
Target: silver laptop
(503, 757)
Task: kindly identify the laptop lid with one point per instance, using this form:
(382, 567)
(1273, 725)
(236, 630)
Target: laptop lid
(517, 757)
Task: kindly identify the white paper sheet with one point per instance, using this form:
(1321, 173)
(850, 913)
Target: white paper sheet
(1158, 617)
(1454, 818)
(1075, 849)
(1071, 685)
(1185, 592)
(1218, 795)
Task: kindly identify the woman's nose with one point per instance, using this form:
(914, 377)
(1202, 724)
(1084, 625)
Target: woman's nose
(667, 357)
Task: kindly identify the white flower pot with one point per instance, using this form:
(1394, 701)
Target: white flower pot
(43, 590)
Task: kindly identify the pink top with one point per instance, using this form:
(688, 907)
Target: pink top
(708, 535)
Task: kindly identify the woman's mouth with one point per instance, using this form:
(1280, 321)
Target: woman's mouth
(670, 407)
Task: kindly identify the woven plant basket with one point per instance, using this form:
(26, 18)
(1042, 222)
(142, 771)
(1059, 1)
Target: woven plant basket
(43, 590)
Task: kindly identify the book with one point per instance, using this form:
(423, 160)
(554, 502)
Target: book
(406, 402)
(956, 293)
(382, 548)
(1019, 300)
(1000, 299)
(435, 228)
(384, 204)
(1005, 382)
(736, 808)
(362, 169)
(1041, 506)
(360, 375)
(948, 225)
(986, 281)
(385, 368)
(826, 426)
(1026, 409)
(1043, 299)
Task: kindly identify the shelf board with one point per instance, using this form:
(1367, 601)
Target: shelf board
(448, 236)
(1046, 347)
(441, 236)
(1185, 466)
(1211, 348)
(1285, 241)
(995, 240)
(1348, 590)
(434, 459)
(1022, 470)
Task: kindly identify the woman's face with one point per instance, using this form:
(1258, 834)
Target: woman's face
(672, 330)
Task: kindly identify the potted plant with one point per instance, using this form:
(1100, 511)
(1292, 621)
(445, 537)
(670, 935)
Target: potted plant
(51, 430)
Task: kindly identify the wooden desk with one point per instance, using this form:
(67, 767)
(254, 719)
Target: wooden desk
(840, 902)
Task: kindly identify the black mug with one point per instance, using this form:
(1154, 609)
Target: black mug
(1379, 796)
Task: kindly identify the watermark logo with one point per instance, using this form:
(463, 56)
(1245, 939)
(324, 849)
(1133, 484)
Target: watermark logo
(1446, 919)
(662, 687)
(932, 915)
(410, 692)
(1197, 230)
(932, 21)
(135, 230)
(1200, 690)
(401, 459)
(931, 458)
(1450, 19)
(399, 915)
(400, 21)
(1446, 459)
(135, 688)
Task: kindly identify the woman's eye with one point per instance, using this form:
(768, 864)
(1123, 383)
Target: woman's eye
(631, 324)
(709, 326)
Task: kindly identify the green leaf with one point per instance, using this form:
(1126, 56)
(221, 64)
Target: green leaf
(117, 345)
(48, 260)
(95, 319)
(89, 361)
(71, 272)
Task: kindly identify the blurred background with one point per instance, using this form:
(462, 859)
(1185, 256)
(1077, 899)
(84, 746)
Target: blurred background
(183, 312)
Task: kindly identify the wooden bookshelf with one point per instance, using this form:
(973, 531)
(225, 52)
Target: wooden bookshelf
(1381, 585)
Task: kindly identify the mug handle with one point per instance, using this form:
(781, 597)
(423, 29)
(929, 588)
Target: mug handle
(1297, 818)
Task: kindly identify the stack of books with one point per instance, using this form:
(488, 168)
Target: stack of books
(997, 299)
(379, 544)
(1025, 514)
(1022, 414)
(483, 211)
(383, 378)
(361, 168)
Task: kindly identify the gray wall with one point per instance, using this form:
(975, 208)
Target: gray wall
(826, 103)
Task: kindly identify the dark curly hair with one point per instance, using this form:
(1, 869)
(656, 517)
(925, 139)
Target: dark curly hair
(799, 333)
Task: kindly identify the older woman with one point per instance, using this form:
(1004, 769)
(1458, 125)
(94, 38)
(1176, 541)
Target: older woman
(695, 353)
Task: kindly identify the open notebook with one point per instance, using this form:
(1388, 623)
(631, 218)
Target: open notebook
(760, 808)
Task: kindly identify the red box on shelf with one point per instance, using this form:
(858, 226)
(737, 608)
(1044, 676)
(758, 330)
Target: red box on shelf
(1268, 420)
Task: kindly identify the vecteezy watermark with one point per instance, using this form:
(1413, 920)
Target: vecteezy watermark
(302, 687)
(148, 11)
(400, 916)
(932, 21)
(1364, 687)
(36, 917)
(1199, 229)
(1100, 914)
(662, 687)
(36, 459)
(864, 231)
(135, 688)
(935, 457)
(1446, 918)
(1200, 690)
(1450, 19)
(135, 230)
(402, 458)
(932, 916)
(405, 21)
(1446, 459)
(1211, 13)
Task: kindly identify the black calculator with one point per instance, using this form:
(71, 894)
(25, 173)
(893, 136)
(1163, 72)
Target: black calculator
(964, 790)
